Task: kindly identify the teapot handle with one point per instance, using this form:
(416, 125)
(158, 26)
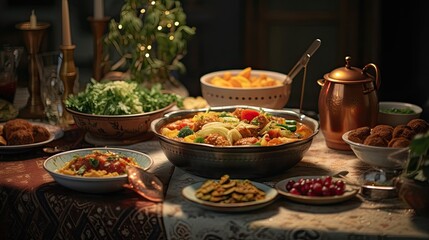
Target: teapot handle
(377, 75)
(321, 82)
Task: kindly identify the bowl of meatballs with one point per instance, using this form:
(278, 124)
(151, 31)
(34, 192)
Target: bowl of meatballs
(379, 145)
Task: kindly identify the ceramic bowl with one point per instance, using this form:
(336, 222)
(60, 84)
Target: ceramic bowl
(389, 113)
(92, 184)
(117, 127)
(238, 161)
(275, 97)
(379, 157)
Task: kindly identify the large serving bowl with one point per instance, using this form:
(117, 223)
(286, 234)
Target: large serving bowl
(397, 113)
(117, 127)
(92, 184)
(378, 157)
(275, 97)
(238, 161)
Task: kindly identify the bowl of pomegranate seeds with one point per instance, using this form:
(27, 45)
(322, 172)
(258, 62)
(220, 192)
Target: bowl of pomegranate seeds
(316, 189)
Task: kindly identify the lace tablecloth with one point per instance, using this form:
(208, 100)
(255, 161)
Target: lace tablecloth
(357, 218)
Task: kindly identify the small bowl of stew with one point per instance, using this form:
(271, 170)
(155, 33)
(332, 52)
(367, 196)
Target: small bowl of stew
(95, 170)
(397, 113)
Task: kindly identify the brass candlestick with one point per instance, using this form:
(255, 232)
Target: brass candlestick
(98, 27)
(33, 38)
(68, 76)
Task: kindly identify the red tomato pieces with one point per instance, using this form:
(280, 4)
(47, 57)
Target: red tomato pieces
(249, 114)
(274, 133)
(108, 161)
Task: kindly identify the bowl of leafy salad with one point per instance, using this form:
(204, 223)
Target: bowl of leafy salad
(119, 110)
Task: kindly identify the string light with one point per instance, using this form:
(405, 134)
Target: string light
(160, 20)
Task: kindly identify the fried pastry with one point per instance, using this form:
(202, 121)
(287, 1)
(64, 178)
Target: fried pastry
(40, 133)
(20, 137)
(418, 125)
(14, 125)
(399, 142)
(359, 135)
(375, 140)
(385, 131)
(403, 131)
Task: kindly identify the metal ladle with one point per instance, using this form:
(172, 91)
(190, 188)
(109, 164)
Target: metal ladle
(302, 63)
(146, 184)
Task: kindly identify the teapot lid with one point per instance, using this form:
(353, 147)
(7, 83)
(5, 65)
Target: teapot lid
(348, 74)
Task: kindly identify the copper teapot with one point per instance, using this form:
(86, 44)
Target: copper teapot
(348, 100)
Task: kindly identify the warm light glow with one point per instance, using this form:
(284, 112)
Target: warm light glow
(171, 37)
(176, 23)
(147, 55)
(142, 10)
(142, 48)
(149, 47)
(153, 2)
(167, 12)
(159, 28)
(120, 26)
(169, 25)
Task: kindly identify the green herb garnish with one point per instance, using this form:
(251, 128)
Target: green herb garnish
(94, 162)
(398, 110)
(185, 131)
(81, 170)
(120, 98)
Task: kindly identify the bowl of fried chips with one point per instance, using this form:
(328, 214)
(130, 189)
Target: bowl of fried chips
(259, 88)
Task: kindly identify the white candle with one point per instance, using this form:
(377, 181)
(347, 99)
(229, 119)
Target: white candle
(33, 20)
(66, 23)
(98, 9)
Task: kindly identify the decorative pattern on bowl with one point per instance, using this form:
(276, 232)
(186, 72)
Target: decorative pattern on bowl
(117, 126)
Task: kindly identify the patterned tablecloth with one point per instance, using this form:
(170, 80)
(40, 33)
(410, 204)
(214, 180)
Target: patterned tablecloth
(33, 206)
(357, 218)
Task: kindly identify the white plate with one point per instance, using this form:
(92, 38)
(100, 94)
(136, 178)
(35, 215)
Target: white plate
(348, 193)
(270, 195)
(55, 131)
(92, 184)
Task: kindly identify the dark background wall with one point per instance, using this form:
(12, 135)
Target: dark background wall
(270, 34)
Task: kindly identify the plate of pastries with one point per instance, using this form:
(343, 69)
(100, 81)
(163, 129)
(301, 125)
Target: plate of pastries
(20, 134)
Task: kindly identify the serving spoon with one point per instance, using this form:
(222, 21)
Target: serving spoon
(303, 61)
(146, 184)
